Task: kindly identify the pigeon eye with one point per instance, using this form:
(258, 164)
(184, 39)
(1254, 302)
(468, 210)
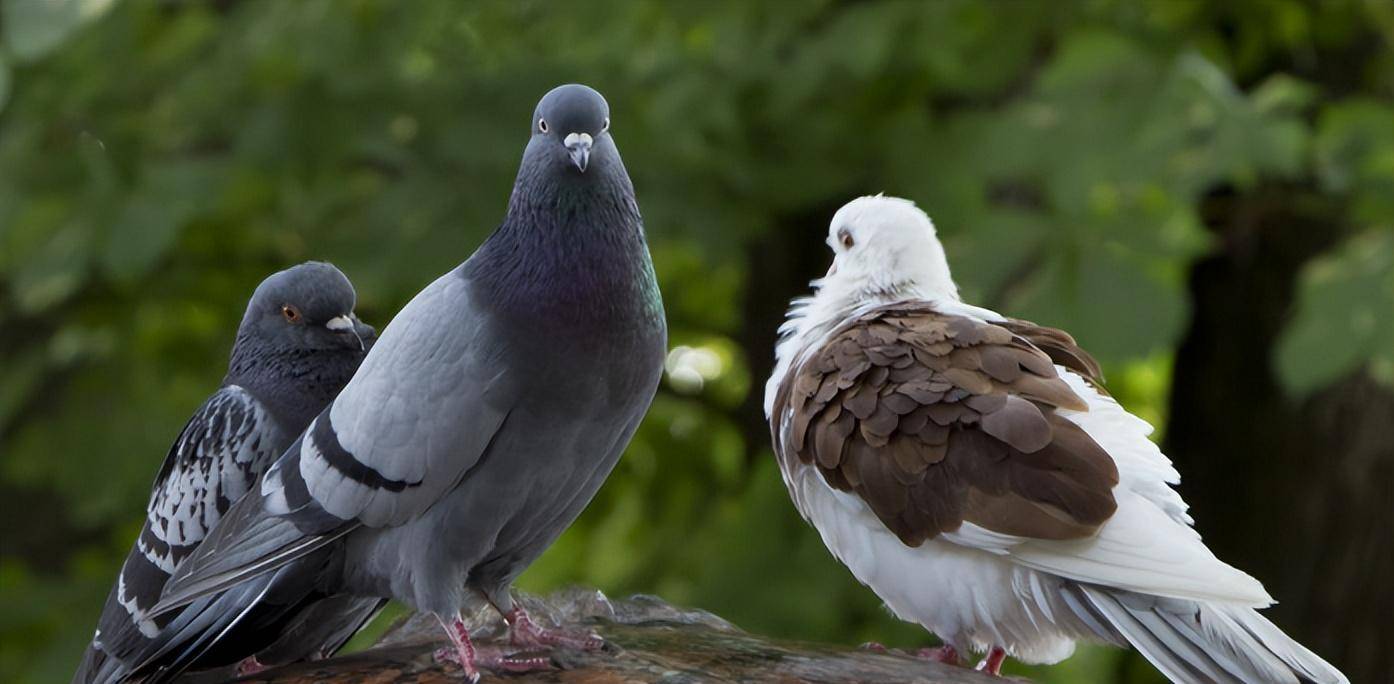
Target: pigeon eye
(845, 237)
(542, 125)
(606, 125)
(290, 313)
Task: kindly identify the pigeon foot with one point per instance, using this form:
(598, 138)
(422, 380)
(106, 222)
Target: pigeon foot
(524, 633)
(462, 652)
(992, 662)
(250, 666)
(944, 654)
(496, 659)
(874, 647)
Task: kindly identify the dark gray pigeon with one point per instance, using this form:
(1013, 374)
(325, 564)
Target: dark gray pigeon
(298, 344)
(478, 428)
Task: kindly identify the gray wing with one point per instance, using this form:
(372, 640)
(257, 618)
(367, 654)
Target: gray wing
(216, 458)
(419, 413)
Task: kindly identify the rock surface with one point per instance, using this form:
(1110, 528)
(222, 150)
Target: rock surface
(647, 639)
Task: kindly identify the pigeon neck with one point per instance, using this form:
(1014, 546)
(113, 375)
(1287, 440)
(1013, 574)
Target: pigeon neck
(296, 383)
(572, 248)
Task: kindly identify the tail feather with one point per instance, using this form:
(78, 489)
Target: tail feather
(98, 667)
(197, 629)
(320, 630)
(1201, 642)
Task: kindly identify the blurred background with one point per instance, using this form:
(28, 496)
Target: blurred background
(1202, 192)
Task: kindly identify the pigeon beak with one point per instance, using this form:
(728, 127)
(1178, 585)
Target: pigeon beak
(579, 145)
(341, 324)
(832, 269)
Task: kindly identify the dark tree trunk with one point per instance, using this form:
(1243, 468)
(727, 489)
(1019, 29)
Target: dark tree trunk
(779, 265)
(1297, 492)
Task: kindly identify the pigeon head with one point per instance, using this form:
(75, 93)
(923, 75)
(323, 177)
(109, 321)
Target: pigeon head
(571, 127)
(886, 247)
(306, 307)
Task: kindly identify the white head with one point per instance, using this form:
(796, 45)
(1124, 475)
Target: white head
(885, 247)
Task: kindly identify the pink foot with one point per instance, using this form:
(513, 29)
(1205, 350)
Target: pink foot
(524, 633)
(495, 659)
(992, 662)
(470, 657)
(944, 654)
(462, 653)
(250, 666)
(874, 647)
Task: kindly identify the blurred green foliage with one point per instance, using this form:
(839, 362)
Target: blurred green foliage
(157, 159)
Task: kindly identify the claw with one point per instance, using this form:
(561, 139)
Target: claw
(250, 666)
(992, 662)
(944, 654)
(524, 633)
(511, 663)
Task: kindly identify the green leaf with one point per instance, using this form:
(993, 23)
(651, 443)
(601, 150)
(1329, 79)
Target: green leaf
(55, 271)
(146, 227)
(4, 81)
(33, 28)
(1355, 155)
(1343, 317)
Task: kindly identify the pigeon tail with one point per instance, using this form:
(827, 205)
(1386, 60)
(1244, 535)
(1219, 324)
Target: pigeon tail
(326, 626)
(1194, 642)
(98, 667)
(198, 629)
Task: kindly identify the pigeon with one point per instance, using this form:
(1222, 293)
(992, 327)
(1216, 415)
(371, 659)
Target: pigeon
(298, 344)
(972, 470)
(479, 426)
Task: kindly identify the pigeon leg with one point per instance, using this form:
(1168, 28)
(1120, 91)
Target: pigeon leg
(874, 647)
(944, 654)
(463, 653)
(992, 662)
(470, 657)
(528, 634)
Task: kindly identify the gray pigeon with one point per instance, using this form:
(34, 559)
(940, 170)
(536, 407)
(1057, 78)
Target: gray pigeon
(482, 423)
(298, 344)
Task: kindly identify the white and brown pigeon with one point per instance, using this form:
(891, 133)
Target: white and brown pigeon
(971, 469)
(298, 344)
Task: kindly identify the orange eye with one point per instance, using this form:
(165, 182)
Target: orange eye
(846, 238)
(290, 313)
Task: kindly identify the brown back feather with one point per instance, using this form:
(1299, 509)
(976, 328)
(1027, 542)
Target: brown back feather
(935, 419)
(1061, 347)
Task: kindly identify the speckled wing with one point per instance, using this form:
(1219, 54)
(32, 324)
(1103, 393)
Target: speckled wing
(218, 456)
(935, 419)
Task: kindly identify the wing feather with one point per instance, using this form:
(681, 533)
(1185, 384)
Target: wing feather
(216, 458)
(936, 419)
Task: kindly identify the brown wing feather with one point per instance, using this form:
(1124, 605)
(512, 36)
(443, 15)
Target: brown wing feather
(935, 419)
(1060, 347)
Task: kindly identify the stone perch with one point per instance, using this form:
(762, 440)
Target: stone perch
(648, 641)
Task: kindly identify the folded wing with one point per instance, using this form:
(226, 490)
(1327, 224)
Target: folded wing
(952, 426)
(215, 460)
(936, 420)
